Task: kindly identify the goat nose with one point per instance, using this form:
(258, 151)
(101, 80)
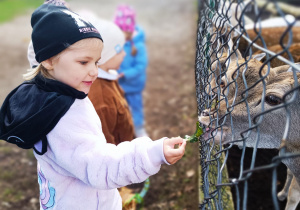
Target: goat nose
(205, 113)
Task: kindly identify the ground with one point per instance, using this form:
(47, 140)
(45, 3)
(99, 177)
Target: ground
(169, 98)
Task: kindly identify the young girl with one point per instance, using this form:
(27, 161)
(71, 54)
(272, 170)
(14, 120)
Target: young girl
(133, 68)
(77, 169)
(105, 94)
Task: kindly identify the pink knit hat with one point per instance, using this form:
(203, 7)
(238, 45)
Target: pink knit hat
(125, 17)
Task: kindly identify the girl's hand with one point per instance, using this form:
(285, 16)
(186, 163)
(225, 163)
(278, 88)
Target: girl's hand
(120, 75)
(172, 155)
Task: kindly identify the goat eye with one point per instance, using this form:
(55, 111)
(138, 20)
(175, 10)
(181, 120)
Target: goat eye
(273, 100)
(222, 84)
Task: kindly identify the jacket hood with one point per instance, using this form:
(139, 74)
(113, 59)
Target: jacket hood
(33, 109)
(139, 35)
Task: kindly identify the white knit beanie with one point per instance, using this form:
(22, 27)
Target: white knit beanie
(112, 35)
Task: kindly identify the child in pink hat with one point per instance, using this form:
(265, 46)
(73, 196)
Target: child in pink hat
(133, 68)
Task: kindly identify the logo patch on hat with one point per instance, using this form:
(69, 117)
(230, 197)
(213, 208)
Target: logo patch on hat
(78, 20)
(83, 25)
(56, 2)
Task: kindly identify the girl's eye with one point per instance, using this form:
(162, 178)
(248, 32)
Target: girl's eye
(273, 100)
(82, 62)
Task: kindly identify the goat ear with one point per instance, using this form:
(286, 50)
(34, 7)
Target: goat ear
(281, 69)
(259, 57)
(236, 55)
(291, 68)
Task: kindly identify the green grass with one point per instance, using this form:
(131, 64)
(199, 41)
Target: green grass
(11, 8)
(30, 154)
(5, 150)
(11, 195)
(7, 175)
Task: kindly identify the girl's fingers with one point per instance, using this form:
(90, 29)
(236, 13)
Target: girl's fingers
(176, 140)
(179, 151)
(172, 153)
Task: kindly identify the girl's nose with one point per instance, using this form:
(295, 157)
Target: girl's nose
(94, 71)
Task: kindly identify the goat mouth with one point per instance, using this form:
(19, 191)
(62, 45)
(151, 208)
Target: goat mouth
(212, 132)
(216, 134)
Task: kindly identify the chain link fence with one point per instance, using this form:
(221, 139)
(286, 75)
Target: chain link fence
(247, 76)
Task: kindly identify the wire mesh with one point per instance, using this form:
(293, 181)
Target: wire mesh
(247, 90)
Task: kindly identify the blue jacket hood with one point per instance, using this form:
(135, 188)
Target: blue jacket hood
(139, 35)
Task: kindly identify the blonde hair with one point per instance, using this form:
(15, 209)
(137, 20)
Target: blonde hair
(31, 73)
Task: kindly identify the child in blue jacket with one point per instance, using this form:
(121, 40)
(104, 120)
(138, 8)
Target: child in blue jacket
(133, 68)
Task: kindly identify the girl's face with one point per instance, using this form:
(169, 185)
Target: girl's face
(128, 35)
(77, 65)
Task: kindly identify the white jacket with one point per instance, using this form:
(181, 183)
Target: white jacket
(80, 171)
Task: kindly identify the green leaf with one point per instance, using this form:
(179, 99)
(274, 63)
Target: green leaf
(196, 135)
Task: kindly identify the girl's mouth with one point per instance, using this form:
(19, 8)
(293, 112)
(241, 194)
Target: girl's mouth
(88, 83)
